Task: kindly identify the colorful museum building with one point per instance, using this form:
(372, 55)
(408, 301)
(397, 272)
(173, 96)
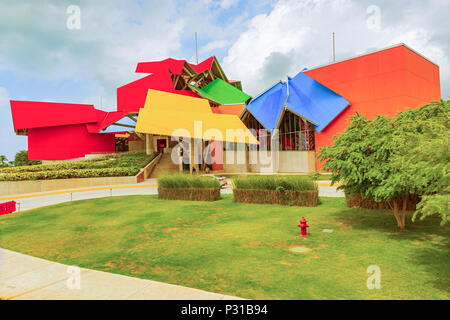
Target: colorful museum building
(198, 102)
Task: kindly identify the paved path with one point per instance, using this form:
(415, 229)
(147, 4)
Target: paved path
(28, 278)
(41, 199)
(326, 190)
(36, 200)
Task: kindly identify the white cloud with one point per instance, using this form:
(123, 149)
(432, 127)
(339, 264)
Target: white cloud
(297, 34)
(9, 142)
(4, 97)
(293, 34)
(113, 37)
(225, 4)
(214, 45)
(297, 31)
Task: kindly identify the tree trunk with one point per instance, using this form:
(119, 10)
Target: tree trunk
(397, 216)
(405, 203)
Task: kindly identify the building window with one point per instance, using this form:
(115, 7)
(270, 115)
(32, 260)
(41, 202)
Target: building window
(295, 132)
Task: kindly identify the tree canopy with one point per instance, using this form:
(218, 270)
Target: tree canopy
(21, 159)
(391, 159)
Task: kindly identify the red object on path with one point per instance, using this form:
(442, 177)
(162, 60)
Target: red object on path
(7, 207)
(303, 227)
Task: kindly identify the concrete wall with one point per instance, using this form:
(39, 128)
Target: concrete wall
(232, 163)
(21, 187)
(288, 162)
(295, 162)
(136, 146)
(147, 171)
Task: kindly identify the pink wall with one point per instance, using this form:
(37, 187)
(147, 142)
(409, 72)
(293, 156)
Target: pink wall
(67, 142)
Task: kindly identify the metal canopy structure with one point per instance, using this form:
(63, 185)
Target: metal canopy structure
(221, 92)
(300, 95)
(127, 123)
(170, 114)
(296, 108)
(206, 79)
(267, 108)
(310, 99)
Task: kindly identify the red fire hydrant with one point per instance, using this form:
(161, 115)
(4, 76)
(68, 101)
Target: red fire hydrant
(303, 227)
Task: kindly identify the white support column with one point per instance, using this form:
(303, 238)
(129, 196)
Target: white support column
(191, 156)
(180, 157)
(149, 144)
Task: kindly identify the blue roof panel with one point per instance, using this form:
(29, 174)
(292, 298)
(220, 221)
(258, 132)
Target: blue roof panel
(314, 101)
(267, 107)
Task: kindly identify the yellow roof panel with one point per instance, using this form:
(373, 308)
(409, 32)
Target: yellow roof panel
(175, 102)
(183, 116)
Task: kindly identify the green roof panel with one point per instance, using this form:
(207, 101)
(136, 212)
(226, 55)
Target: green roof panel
(222, 92)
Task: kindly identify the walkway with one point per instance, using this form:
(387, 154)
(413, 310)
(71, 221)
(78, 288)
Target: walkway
(28, 278)
(41, 199)
(36, 200)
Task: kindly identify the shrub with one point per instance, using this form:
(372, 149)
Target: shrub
(183, 181)
(274, 182)
(110, 165)
(309, 198)
(315, 175)
(357, 201)
(67, 174)
(198, 194)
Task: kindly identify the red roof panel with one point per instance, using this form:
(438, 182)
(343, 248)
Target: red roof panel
(104, 119)
(204, 65)
(32, 114)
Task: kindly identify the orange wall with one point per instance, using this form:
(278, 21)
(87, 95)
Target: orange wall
(384, 82)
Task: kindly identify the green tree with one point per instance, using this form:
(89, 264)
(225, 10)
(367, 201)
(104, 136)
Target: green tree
(421, 163)
(21, 159)
(390, 160)
(346, 157)
(3, 161)
(358, 158)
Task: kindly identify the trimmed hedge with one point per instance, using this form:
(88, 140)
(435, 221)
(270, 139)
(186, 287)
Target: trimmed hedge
(357, 201)
(183, 181)
(179, 186)
(308, 198)
(88, 164)
(283, 190)
(275, 182)
(111, 165)
(67, 174)
(194, 194)
(139, 159)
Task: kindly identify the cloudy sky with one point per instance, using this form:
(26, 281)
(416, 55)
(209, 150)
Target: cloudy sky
(256, 41)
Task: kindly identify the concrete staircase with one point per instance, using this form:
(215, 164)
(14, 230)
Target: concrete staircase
(164, 165)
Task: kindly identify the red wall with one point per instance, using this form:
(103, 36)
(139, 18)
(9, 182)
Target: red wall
(132, 96)
(384, 82)
(67, 142)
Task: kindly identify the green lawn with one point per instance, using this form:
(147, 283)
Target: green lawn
(240, 249)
